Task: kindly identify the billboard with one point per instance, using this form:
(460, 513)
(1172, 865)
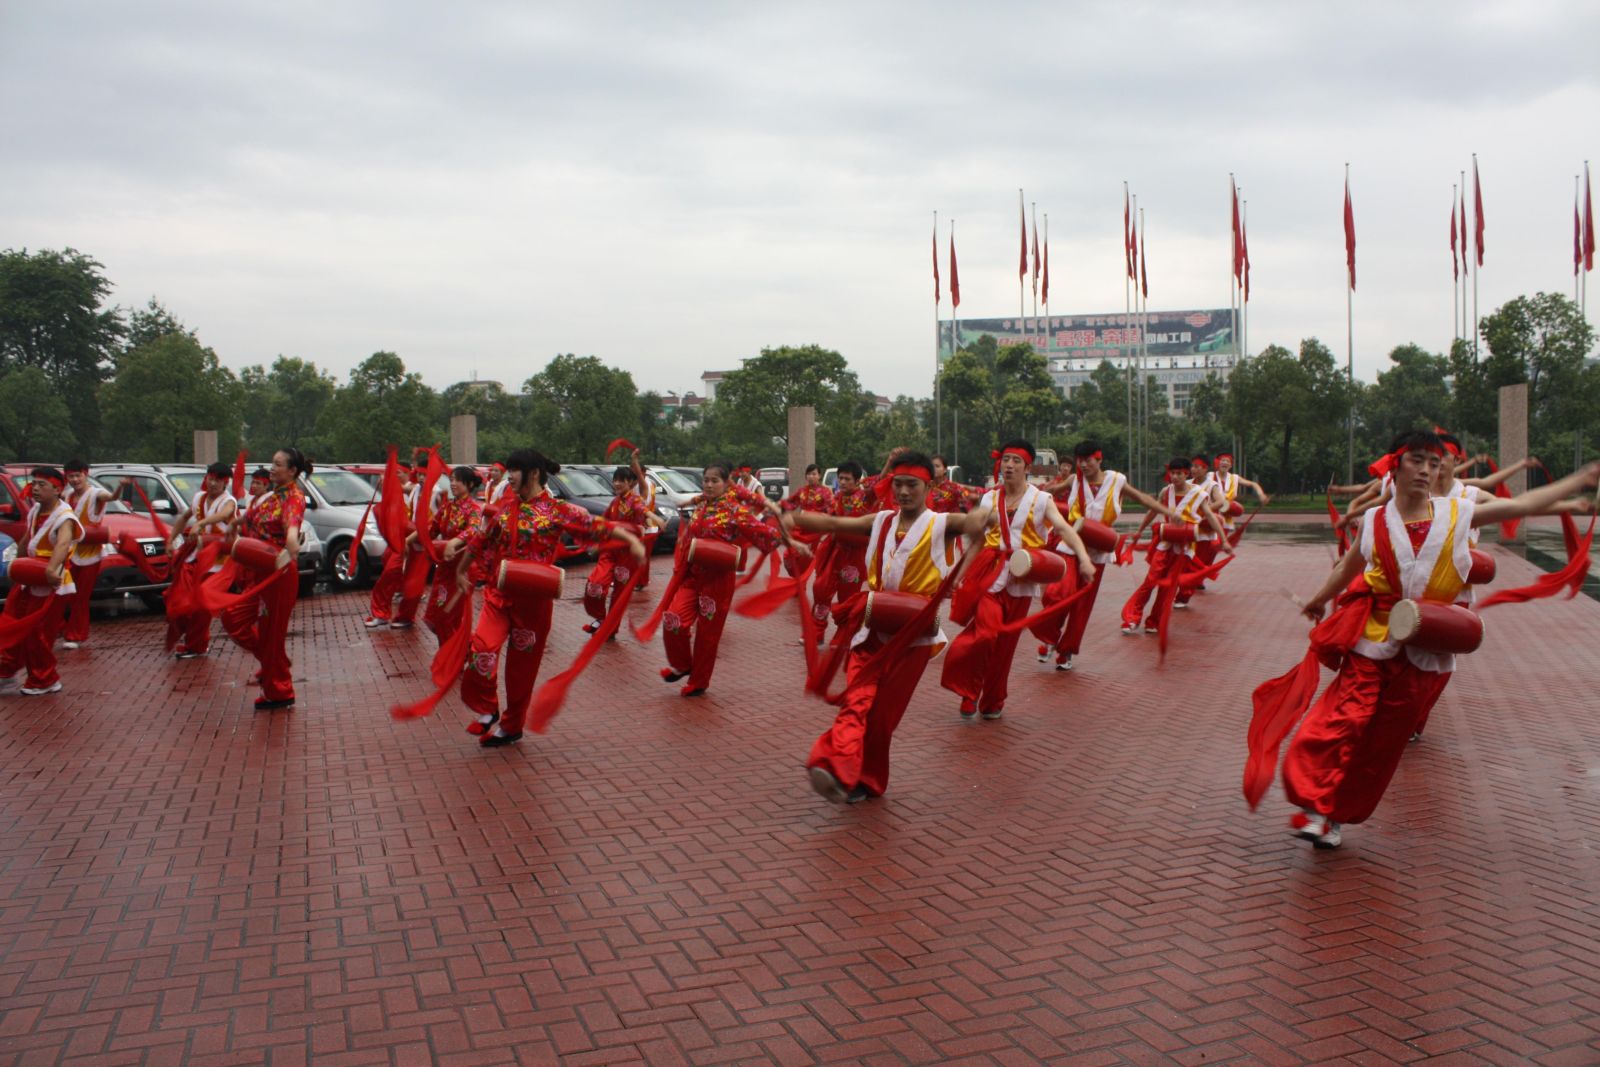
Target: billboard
(1096, 337)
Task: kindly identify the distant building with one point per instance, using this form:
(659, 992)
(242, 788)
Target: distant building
(710, 380)
(882, 404)
(687, 406)
(480, 385)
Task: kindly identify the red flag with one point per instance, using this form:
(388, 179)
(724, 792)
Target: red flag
(936, 264)
(1588, 222)
(1238, 245)
(1127, 233)
(1577, 233)
(1044, 291)
(1244, 248)
(1036, 255)
(1464, 227)
(1133, 253)
(1349, 233)
(1022, 221)
(1455, 264)
(1477, 211)
(237, 488)
(1144, 262)
(955, 278)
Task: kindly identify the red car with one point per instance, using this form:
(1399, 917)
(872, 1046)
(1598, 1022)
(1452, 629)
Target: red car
(129, 534)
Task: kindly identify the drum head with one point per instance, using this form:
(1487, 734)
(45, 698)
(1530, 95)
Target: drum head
(1405, 618)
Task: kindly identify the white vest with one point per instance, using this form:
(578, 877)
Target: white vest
(1416, 568)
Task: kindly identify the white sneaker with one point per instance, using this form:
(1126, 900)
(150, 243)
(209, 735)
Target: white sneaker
(1179, 607)
(372, 622)
(1044, 653)
(1130, 631)
(1151, 630)
(69, 644)
(1320, 830)
(46, 691)
(990, 716)
(1065, 665)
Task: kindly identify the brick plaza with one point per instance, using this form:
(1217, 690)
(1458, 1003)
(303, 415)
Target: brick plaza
(185, 881)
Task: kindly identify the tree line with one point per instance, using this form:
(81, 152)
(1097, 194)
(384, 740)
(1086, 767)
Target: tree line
(78, 377)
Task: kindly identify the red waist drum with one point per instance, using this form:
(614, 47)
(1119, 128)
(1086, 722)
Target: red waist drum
(1176, 533)
(1235, 509)
(1096, 535)
(889, 613)
(1037, 565)
(29, 570)
(1444, 629)
(522, 579)
(95, 533)
(257, 555)
(1482, 572)
(714, 555)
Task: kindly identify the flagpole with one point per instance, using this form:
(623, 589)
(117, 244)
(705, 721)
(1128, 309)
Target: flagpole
(1127, 323)
(1588, 228)
(1022, 288)
(1144, 347)
(938, 414)
(1244, 294)
(1233, 265)
(1455, 296)
(1035, 206)
(1350, 355)
(1045, 324)
(1466, 268)
(1477, 224)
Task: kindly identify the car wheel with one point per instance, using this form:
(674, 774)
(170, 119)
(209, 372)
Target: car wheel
(339, 563)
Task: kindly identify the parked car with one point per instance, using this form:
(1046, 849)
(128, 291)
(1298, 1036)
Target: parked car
(172, 487)
(119, 575)
(336, 499)
(673, 485)
(695, 474)
(774, 482)
(664, 505)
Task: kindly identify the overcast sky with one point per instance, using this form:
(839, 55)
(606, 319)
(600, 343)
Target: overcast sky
(671, 187)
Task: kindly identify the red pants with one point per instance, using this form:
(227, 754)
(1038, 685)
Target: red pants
(77, 622)
(839, 580)
(443, 623)
(610, 574)
(855, 749)
(527, 625)
(1205, 554)
(194, 629)
(691, 627)
(978, 663)
(37, 650)
(1077, 620)
(402, 573)
(1163, 566)
(260, 626)
(1351, 741)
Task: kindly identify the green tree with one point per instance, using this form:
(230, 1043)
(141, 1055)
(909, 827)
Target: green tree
(499, 415)
(753, 402)
(51, 317)
(164, 391)
(34, 420)
(150, 323)
(1543, 340)
(577, 405)
(1411, 394)
(1001, 392)
(282, 406)
(380, 405)
(1278, 400)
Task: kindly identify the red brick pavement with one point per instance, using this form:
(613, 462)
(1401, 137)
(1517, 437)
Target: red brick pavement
(182, 880)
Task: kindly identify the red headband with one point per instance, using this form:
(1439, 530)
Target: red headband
(913, 470)
(54, 479)
(1092, 455)
(1386, 464)
(1197, 461)
(1224, 456)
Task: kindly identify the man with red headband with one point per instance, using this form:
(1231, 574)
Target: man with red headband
(88, 501)
(911, 550)
(1090, 492)
(1413, 548)
(1013, 515)
(1222, 487)
(1171, 559)
(50, 531)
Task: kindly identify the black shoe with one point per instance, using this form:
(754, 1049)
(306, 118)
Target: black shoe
(497, 740)
(274, 705)
(590, 627)
(690, 692)
(857, 795)
(669, 675)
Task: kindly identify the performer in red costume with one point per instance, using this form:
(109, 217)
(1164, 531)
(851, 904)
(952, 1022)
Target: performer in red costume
(947, 495)
(1222, 492)
(695, 607)
(457, 520)
(611, 572)
(401, 570)
(528, 527)
(811, 498)
(1413, 548)
(260, 624)
(50, 532)
(1091, 492)
(1014, 515)
(88, 501)
(911, 549)
(1171, 560)
(206, 520)
(842, 562)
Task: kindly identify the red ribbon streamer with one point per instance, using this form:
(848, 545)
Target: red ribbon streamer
(621, 442)
(445, 667)
(552, 694)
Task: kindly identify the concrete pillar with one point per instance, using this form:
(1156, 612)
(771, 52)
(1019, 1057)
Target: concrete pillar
(1514, 438)
(205, 447)
(802, 444)
(463, 440)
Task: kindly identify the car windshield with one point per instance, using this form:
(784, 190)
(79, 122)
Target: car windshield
(187, 483)
(341, 488)
(114, 506)
(677, 481)
(578, 483)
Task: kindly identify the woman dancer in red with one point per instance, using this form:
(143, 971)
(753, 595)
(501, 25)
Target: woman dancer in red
(946, 495)
(457, 520)
(813, 498)
(205, 520)
(611, 572)
(400, 568)
(529, 527)
(260, 624)
(691, 626)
